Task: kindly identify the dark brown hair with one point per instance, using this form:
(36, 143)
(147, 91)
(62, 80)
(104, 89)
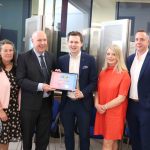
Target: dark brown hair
(75, 33)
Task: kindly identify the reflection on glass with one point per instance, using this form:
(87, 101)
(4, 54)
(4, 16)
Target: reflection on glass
(53, 14)
(78, 19)
(94, 38)
(57, 20)
(49, 13)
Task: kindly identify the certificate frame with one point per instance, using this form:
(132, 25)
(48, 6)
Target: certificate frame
(63, 81)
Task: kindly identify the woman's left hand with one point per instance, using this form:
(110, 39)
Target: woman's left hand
(100, 108)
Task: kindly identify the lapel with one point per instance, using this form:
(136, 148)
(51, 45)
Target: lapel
(147, 59)
(36, 61)
(66, 66)
(82, 60)
(130, 62)
(47, 60)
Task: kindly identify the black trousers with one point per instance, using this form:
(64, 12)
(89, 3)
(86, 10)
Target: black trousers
(36, 121)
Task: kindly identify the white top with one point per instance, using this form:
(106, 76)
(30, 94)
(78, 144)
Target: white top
(135, 72)
(74, 65)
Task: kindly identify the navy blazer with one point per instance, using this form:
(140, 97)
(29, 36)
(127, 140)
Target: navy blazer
(87, 77)
(144, 80)
(29, 75)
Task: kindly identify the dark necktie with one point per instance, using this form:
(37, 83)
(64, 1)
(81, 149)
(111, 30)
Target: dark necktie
(44, 69)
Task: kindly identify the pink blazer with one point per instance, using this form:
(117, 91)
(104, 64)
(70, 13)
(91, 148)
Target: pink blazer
(4, 90)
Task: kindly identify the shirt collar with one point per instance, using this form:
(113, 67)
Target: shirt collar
(77, 56)
(38, 54)
(143, 55)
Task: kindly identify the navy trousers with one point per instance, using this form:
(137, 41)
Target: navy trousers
(139, 125)
(74, 112)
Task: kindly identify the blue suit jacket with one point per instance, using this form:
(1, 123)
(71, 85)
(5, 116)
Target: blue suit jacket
(87, 77)
(144, 80)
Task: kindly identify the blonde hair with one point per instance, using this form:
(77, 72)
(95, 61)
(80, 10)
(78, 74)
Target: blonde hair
(120, 66)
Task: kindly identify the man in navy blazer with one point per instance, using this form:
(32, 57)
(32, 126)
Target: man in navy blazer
(138, 114)
(75, 106)
(36, 93)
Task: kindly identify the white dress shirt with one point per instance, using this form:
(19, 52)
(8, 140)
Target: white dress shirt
(74, 65)
(135, 72)
(40, 85)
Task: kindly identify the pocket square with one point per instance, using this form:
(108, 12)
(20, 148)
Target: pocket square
(84, 67)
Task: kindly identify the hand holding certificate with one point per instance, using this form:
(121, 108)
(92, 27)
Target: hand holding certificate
(63, 81)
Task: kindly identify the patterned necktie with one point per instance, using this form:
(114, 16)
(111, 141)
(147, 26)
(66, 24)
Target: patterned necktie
(44, 69)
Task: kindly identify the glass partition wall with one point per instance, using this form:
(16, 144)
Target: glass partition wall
(87, 16)
(63, 16)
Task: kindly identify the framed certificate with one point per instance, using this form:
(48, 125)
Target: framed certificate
(63, 81)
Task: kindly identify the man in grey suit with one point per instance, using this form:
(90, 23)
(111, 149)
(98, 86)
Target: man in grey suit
(33, 75)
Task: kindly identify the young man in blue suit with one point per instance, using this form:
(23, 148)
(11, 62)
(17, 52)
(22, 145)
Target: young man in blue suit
(138, 114)
(33, 76)
(75, 106)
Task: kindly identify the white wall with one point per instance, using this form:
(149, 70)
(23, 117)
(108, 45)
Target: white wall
(103, 11)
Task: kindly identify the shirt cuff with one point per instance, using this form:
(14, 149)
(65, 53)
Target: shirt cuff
(40, 85)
